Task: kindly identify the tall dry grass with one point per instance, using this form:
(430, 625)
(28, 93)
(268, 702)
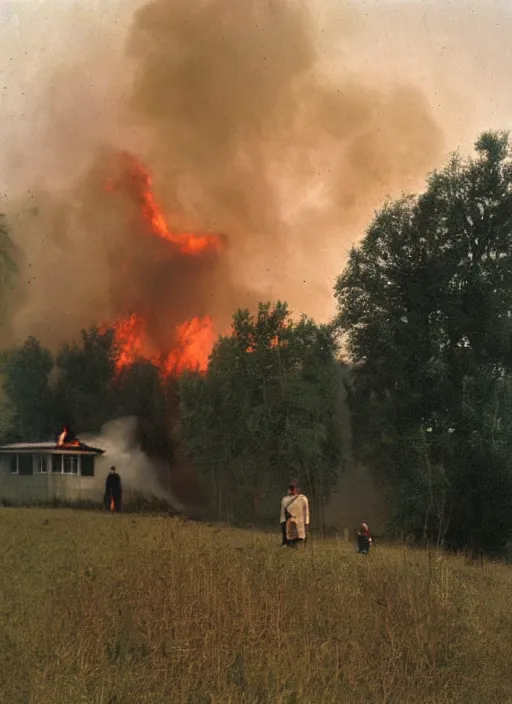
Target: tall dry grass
(132, 610)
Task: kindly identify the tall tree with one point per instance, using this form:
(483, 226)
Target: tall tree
(265, 410)
(141, 391)
(425, 305)
(85, 380)
(26, 384)
(8, 419)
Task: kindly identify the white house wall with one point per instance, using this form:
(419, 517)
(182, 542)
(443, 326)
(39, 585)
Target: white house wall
(18, 488)
(50, 486)
(41, 487)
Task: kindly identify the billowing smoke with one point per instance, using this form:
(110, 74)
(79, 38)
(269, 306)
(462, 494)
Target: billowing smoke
(138, 472)
(244, 132)
(278, 124)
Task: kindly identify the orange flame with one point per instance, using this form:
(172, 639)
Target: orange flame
(191, 350)
(141, 188)
(132, 342)
(61, 442)
(193, 339)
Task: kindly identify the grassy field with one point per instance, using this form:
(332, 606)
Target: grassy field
(127, 610)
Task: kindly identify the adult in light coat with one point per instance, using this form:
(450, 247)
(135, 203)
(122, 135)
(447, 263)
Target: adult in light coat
(294, 516)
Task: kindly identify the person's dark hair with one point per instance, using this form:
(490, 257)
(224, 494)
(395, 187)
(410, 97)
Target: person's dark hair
(112, 469)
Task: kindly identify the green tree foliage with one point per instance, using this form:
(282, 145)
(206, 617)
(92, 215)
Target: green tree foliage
(140, 391)
(27, 371)
(91, 391)
(81, 389)
(8, 420)
(85, 379)
(425, 305)
(265, 410)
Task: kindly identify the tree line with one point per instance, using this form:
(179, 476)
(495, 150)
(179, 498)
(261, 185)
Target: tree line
(424, 326)
(264, 411)
(79, 388)
(425, 306)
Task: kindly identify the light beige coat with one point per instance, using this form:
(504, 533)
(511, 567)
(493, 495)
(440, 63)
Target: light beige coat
(298, 507)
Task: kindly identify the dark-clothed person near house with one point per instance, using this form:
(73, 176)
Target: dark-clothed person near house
(113, 491)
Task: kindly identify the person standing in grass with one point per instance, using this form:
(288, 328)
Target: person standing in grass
(294, 516)
(113, 491)
(364, 539)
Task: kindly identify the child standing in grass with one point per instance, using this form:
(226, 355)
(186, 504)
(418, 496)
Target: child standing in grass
(364, 540)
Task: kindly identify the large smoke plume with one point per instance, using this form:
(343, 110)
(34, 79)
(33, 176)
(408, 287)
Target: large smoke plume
(280, 124)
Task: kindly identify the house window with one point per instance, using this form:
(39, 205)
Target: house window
(65, 464)
(82, 465)
(41, 464)
(25, 464)
(87, 466)
(70, 464)
(13, 464)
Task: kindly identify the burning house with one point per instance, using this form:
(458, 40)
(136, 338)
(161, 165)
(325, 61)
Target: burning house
(47, 471)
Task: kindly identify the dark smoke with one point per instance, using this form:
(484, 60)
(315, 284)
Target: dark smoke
(245, 135)
(242, 126)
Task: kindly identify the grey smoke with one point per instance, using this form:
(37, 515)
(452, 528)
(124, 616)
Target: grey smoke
(138, 472)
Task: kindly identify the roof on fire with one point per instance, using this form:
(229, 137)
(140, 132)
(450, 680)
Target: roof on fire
(52, 448)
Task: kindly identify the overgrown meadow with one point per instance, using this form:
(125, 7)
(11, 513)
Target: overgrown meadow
(125, 609)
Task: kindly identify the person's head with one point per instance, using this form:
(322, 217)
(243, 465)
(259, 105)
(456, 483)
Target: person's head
(294, 487)
(364, 528)
(112, 470)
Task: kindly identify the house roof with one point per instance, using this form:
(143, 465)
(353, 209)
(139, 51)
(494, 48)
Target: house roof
(51, 448)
